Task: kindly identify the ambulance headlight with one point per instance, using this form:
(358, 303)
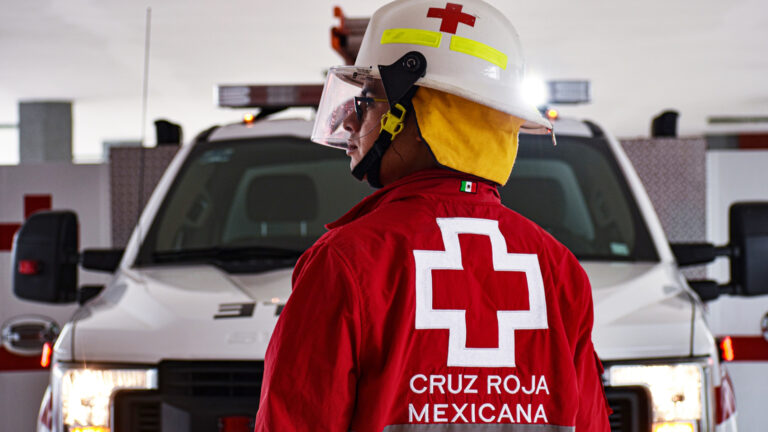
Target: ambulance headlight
(82, 395)
(678, 392)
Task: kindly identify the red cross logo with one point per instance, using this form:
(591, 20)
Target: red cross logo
(452, 16)
(480, 290)
(469, 302)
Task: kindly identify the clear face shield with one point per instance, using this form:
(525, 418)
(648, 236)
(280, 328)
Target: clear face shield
(351, 107)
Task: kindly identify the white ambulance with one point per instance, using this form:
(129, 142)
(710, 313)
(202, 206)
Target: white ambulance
(176, 340)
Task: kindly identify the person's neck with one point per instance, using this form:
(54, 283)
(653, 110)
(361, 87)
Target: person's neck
(404, 158)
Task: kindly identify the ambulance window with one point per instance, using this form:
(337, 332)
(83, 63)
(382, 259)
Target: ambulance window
(577, 193)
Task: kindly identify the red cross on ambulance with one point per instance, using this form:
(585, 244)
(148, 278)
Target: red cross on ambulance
(454, 320)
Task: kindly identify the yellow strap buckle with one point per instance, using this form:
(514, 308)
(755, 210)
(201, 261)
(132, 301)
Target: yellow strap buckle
(392, 123)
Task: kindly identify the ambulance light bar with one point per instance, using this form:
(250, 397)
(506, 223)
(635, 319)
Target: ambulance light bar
(308, 95)
(268, 96)
(569, 92)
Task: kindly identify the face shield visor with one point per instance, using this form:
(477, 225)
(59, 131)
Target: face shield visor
(351, 107)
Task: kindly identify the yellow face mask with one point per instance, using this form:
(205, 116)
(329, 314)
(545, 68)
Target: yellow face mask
(467, 136)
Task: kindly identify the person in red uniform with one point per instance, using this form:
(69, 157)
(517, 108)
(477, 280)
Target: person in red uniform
(430, 306)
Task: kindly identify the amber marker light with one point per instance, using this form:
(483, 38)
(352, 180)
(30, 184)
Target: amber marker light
(552, 114)
(45, 358)
(726, 348)
(249, 118)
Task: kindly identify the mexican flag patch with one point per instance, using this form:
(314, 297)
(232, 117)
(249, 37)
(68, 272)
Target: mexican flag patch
(469, 187)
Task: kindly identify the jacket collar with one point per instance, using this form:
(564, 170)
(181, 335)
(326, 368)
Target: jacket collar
(433, 182)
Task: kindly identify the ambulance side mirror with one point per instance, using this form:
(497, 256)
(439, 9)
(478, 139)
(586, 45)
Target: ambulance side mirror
(748, 252)
(45, 258)
(749, 241)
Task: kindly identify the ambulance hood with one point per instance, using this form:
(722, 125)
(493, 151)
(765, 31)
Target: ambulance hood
(201, 312)
(181, 313)
(643, 310)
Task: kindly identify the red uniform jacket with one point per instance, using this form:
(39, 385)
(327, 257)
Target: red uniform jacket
(430, 305)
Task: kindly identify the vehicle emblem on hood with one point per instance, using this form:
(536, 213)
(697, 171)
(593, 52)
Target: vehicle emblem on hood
(235, 310)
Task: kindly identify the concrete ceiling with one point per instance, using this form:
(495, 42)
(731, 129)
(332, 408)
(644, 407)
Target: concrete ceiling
(701, 57)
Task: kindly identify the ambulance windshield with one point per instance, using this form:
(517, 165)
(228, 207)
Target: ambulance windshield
(254, 205)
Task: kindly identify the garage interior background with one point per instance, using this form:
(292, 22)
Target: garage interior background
(704, 58)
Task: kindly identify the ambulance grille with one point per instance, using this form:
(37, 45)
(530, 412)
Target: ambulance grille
(632, 408)
(211, 379)
(191, 397)
(147, 418)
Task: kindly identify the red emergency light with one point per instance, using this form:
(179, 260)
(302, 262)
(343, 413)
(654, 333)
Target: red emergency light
(29, 267)
(347, 37)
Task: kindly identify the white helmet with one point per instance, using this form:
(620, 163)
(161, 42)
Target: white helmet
(472, 51)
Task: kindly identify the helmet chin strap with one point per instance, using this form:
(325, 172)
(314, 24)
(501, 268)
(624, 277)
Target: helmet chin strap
(399, 81)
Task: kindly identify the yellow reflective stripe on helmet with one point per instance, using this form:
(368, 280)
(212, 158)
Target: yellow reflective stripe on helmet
(412, 36)
(479, 50)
